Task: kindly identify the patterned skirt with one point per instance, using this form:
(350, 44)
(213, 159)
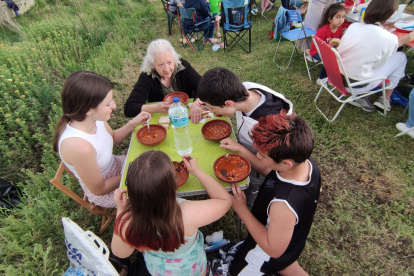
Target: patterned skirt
(106, 201)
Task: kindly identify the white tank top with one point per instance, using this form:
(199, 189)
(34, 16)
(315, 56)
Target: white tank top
(102, 141)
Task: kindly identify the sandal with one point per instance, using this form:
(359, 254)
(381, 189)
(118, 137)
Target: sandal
(184, 40)
(269, 7)
(212, 40)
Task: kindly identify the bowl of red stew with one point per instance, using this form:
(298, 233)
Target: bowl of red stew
(232, 171)
(159, 134)
(216, 130)
(182, 173)
(181, 95)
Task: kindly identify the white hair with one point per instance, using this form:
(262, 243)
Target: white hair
(156, 47)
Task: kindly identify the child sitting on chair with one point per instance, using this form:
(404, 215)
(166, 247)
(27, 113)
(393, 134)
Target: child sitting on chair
(164, 227)
(329, 30)
(281, 217)
(223, 93)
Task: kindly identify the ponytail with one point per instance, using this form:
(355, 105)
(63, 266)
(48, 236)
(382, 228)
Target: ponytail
(63, 121)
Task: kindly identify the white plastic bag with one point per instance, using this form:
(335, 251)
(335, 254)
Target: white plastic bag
(87, 253)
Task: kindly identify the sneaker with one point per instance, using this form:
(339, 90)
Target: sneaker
(380, 103)
(364, 103)
(403, 127)
(322, 81)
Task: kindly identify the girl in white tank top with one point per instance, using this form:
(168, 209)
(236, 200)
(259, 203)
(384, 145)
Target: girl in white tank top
(84, 140)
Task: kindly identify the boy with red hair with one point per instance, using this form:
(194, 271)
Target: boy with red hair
(282, 214)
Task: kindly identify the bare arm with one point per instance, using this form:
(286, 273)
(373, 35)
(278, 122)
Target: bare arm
(256, 163)
(203, 212)
(121, 133)
(82, 155)
(161, 107)
(275, 240)
(120, 248)
(405, 39)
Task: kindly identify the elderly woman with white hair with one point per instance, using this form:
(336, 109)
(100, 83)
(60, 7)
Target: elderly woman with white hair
(163, 72)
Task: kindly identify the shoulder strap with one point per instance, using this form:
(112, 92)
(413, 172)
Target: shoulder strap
(179, 200)
(252, 85)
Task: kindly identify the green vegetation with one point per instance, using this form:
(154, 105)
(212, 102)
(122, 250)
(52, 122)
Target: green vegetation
(364, 221)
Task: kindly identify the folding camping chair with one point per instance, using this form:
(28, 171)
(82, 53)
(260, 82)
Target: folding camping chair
(170, 11)
(294, 35)
(96, 210)
(331, 58)
(196, 37)
(237, 24)
(309, 58)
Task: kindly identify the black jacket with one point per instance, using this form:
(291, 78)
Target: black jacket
(149, 89)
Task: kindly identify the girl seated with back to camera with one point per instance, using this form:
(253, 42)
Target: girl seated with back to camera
(161, 225)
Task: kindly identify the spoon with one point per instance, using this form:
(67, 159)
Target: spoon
(227, 155)
(148, 125)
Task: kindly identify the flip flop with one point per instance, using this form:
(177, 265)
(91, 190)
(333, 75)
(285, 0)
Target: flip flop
(222, 45)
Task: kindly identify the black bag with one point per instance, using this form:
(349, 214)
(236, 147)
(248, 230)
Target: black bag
(9, 195)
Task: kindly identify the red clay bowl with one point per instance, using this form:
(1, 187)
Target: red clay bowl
(182, 173)
(209, 134)
(145, 138)
(183, 97)
(236, 170)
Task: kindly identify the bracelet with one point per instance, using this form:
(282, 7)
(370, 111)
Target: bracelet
(129, 123)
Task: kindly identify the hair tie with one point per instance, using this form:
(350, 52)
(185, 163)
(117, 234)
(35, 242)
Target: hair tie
(377, 23)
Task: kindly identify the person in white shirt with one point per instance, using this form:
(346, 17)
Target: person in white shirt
(369, 51)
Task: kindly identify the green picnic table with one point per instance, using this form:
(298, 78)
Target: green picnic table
(204, 150)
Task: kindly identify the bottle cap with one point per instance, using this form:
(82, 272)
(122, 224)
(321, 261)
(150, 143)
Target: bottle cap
(176, 100)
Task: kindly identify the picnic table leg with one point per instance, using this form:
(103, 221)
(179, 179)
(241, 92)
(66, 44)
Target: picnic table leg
(238, 229)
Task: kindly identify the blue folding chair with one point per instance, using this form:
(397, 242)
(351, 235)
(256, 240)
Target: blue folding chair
(238, 23)
(294, 35)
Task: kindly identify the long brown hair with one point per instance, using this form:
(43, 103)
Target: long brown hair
(380, 11)
(330, 12)
(155, 218)
(82, 91)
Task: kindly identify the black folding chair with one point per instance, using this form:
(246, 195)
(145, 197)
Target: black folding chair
(171, 12)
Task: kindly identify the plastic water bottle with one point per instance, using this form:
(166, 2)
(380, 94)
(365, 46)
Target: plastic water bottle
(179, 120)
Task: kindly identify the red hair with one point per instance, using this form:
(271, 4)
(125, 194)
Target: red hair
(283, 137)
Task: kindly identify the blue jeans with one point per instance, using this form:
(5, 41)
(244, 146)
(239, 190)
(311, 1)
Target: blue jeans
(322, 74)
(410, 121)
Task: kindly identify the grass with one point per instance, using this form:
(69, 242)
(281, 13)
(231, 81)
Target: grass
(364, 220)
